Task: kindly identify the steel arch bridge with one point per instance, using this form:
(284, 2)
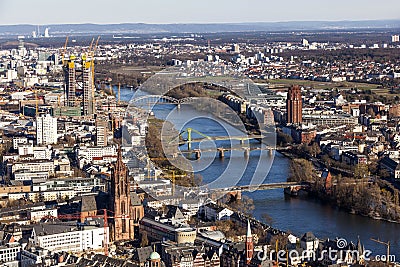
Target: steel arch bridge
(154, 99)
(160, 99)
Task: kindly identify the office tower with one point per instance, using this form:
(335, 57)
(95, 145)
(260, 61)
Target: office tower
(88, 90)
(70, 81)
(101, 131)
(46, 130)
(294, 105)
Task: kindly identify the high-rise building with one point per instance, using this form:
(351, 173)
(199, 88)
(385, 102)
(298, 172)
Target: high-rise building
(70, 81)
(294, 105)
(395, 38)
(122, 223)
(101, 131)
(88, 90)
(235, 48)
(46, 130)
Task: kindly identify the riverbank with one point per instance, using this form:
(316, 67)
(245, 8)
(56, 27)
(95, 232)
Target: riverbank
(295, 215)
(375, 200)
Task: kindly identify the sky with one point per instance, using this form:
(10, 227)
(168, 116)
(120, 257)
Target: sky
(42, 12)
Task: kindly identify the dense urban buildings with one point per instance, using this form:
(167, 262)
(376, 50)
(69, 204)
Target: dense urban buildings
(78, 188)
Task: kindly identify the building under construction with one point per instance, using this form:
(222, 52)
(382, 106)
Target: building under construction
(79, 80)
(70, 82)
(87, 87)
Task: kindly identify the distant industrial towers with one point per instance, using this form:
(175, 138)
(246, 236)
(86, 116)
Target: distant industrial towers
(36, 33)
(294, 105)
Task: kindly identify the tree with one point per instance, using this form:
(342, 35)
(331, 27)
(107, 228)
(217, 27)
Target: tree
(283, 139)
(267, 218)
(315, 149)
(361, 171)
(144, 241)
(301, 171)
(244, 205)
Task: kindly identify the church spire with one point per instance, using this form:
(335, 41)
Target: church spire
(248, 234)
(249, 244)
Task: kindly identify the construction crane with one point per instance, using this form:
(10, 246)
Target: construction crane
(64, 50)
(91, 45)
(387, 244)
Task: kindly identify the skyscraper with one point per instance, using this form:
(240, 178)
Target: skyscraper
(294, 105)
(70, 82)
(122, 224)
(88, 93)
(101, 131)
(46, 130)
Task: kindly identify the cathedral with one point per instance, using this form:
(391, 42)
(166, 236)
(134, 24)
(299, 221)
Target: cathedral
(126, 209)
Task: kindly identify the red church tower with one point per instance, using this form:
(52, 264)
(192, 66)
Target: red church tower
(122, 222)
(249, 244)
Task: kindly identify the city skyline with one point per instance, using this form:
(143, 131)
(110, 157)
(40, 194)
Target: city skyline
(45, 12)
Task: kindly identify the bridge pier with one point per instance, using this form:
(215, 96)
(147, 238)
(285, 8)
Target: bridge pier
(246, 153)
(197, 154)
(221, 153)
(270, 151)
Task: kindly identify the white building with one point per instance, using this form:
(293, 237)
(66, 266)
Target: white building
(34, 166)
(213, 212)
(46, 130)
(9, 254)
(88, 154)
(37, 215)
(19, 140)
(23, 175)
(61, 237)
(395, 38)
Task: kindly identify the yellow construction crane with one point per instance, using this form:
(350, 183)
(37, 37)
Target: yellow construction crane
(387, 244)
(91, 45)
(64, 50)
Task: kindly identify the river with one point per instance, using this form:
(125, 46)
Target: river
(297, 215)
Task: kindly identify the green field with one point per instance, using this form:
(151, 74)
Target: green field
(325, 85)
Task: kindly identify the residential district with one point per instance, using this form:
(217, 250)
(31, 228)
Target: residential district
(73, 194)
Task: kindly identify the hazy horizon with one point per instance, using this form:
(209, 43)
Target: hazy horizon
(46, 12)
